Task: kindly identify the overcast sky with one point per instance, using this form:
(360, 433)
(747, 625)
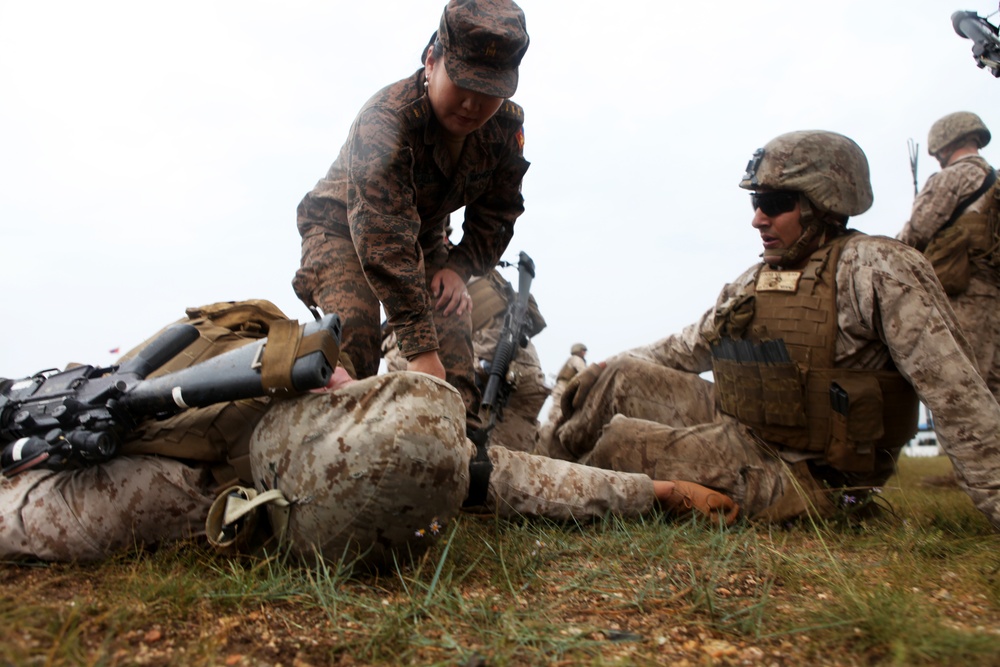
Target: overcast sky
(152, 155)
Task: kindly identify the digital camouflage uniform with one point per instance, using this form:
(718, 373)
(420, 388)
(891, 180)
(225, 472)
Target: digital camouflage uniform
(490, 297)
(392, 422)
(978, 307)
(659, 417)
(815, 353)
(569, 370)
(372, 228)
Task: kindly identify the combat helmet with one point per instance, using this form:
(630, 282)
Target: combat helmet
(828, 168)
(371, 472)
(578, 348)
(949, 129)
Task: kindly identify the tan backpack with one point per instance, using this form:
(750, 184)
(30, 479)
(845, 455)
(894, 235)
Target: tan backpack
(218, 434)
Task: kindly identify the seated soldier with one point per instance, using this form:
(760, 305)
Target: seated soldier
(819, 355)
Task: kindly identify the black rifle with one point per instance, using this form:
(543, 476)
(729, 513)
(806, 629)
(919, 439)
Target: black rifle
(985, 38)
(514, 335)
(59, 420)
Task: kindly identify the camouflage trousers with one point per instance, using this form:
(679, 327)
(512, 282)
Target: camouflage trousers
(331, 277)
(978, 313)
(545, 442)
(95, 512)
(644, 418)
(92, 513)
(519, 426)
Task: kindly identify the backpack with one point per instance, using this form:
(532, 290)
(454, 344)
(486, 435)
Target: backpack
(218, 434)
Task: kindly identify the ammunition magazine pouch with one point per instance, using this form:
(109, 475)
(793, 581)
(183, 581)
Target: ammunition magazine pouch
(844, 414)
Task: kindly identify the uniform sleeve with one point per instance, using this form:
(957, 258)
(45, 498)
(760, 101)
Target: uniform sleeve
(685, 351)
(689, 350)
(938, 200)
(895, 295)
(489, 220)
(385, 224)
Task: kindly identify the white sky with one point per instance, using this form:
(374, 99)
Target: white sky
(152, 155)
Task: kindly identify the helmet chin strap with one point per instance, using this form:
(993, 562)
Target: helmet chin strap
(814, 226)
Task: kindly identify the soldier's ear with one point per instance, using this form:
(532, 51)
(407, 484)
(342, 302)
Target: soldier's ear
(429, 60)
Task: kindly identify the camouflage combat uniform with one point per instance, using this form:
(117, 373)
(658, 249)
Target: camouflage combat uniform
(544, 445)
(94, 512)
(650, 411)
(490, 297)
(978, 307)
(372, 228)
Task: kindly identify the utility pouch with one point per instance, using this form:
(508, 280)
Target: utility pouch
(760, 394)
(856, 425)
(781, 389)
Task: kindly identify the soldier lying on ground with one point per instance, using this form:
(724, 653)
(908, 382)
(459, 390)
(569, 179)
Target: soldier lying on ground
(818, 354)
(360, 469)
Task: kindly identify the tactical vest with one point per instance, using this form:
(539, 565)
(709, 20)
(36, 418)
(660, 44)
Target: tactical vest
(490, 296)
(567, 372)
(778, 376)
(983, 229)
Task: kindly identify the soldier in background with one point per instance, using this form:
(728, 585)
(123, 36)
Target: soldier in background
(819, 355)
(491, 295)
(517, 426)
(954, 221)
(577, 362)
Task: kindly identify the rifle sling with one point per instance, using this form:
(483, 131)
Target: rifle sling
(280, 353)
(285, 345)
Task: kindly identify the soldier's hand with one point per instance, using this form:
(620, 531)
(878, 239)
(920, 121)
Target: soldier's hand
(427, 362)
(451, 292)
(579, 387)
(682, 498)
(339, 378)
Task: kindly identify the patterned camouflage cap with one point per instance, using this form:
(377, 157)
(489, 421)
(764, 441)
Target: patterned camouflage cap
(953, 127)
(828, 168)
(485, 41)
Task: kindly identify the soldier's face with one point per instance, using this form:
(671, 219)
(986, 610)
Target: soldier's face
(459, 111)
(779, 230)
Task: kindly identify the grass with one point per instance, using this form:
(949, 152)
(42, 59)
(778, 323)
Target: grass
(916, 586)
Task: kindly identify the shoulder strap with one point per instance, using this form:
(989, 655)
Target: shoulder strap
(988, 182)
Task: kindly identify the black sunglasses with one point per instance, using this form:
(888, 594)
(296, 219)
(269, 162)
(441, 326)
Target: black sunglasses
(772, 204)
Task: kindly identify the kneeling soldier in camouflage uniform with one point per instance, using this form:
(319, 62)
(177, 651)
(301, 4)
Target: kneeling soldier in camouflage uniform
(819, 355)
